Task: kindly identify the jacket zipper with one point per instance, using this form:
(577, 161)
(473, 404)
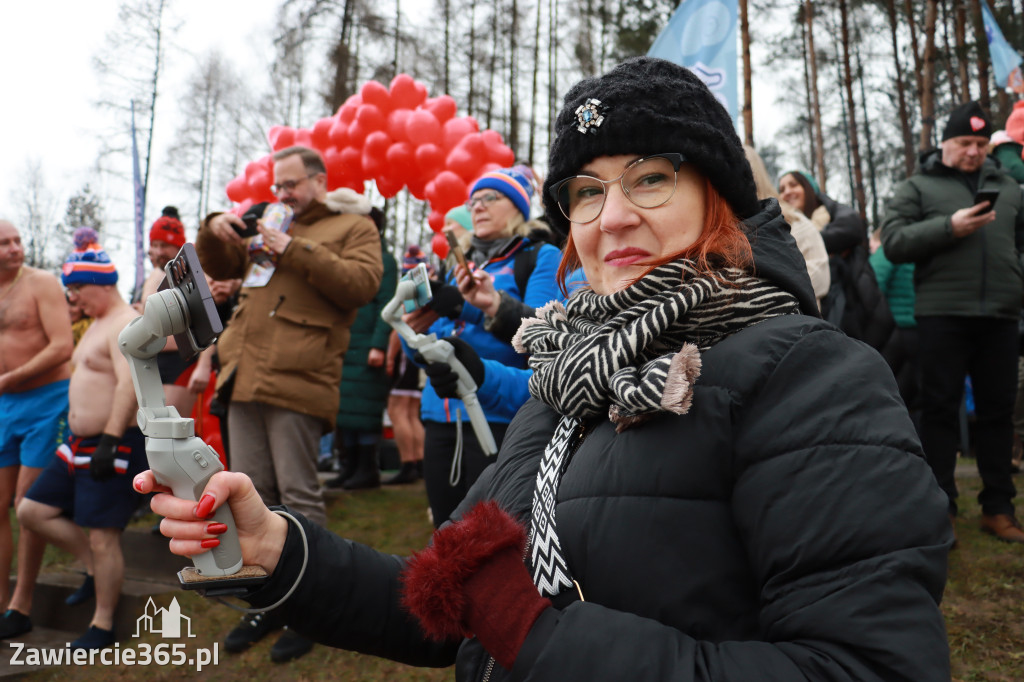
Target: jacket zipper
(488, 669)
(580, 437)
(273, 312)
(984, 271)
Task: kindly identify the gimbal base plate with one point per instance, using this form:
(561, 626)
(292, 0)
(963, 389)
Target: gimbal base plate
(222, 585)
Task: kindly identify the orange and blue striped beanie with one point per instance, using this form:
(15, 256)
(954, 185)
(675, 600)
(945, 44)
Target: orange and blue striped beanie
(88, 263)
(516, 183)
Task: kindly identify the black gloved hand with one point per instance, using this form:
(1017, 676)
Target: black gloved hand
(446, 300)
(443, 378)
(101, 467)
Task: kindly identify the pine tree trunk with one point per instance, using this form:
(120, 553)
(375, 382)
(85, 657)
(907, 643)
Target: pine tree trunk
(867, 139)
(158, 32)
(533, 86)
(983, 57)
(928, 75)
(513, 81)
(819, 141)
(398, 33)
(858, 174)
(447, 12)
(908, 143)
(471, 97)
(495, 8)
(341, 58)
(807, 91)
(959, 26)
(748, 106)
(552, 68)
(949, 51)
(915, 48)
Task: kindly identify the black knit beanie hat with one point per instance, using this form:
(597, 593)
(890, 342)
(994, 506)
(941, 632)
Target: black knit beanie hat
(968, 119)
(649, 106)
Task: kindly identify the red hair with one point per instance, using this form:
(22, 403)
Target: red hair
(722, 243)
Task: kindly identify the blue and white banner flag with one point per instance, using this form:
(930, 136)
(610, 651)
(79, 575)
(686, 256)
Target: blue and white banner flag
(701, 35)
(1005, 60)
(140, 211)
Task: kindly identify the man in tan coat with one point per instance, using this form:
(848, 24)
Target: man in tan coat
(281, 353)
(35, 347)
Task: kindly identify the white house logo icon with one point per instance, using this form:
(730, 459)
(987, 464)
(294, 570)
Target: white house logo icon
(165, 622)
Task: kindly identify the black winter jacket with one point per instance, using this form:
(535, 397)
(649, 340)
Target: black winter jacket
(845, 229)
(786, 528)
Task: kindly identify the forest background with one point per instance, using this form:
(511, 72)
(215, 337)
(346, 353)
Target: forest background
(856, 89)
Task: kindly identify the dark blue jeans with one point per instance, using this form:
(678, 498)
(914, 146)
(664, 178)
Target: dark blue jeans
(986, 349)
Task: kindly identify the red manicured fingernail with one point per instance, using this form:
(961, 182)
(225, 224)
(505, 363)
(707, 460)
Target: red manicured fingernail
(209, 543)
(205, 506)
(216, 528)
(137, 483)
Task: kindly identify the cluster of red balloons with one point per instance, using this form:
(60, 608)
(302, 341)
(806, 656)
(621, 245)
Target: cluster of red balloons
(397, 137)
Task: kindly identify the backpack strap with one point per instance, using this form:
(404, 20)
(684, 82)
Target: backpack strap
(522, 268)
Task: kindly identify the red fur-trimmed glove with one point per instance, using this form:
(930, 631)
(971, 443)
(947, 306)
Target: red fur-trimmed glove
(472, 581)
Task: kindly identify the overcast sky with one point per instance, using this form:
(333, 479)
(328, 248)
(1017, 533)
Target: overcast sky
(50, 87)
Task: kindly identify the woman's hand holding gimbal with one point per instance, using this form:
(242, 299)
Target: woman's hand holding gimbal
(261, 532)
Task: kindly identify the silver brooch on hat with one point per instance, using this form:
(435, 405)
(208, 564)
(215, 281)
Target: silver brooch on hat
(590, 115)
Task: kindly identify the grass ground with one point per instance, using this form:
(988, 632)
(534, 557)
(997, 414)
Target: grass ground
(983, 604)
(984, 600)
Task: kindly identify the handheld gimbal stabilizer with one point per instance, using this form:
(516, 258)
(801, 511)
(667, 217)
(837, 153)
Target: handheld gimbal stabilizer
(183, 307)
(411, 288)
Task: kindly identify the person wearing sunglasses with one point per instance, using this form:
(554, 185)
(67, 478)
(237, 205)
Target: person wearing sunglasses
(709, 482)
(513, 272)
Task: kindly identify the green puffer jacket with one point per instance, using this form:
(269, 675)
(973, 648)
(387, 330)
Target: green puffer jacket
(1009, 154)
(364, 389)
(897, 285)
(977, 275)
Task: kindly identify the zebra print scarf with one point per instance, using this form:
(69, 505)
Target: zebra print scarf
(634, 353)
(630, 355)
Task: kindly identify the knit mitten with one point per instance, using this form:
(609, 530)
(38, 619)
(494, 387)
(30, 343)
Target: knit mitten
(472, 581)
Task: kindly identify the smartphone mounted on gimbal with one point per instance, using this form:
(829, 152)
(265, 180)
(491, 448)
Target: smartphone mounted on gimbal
(204, 326)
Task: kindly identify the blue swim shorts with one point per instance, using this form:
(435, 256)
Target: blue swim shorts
(67, 485)
(33, 424)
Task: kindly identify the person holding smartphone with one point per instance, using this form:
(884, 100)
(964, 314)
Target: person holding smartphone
(960, 220)
(509, 270)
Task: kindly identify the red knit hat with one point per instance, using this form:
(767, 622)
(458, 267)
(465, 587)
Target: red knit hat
(1015, 123)
(168, 228)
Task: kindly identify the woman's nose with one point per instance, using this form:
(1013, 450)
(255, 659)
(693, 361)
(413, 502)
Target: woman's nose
(618, 211)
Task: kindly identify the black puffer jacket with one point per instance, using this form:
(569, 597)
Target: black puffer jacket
(786, 528)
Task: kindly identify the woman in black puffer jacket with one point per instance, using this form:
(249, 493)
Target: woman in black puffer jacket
(716, 485)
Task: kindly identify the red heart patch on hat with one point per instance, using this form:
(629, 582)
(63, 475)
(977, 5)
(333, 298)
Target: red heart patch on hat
(977, 123)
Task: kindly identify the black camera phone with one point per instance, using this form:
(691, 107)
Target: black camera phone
(186, 275)
(250, 217)
(989, 195)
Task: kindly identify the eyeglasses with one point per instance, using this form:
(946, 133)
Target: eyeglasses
(485, 199)
(289, 185)
(648, 183)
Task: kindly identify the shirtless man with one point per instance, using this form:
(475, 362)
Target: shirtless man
(35, 346)
(88, 486)
(182, 381)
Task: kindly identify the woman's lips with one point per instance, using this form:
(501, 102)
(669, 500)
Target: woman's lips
(624, 257)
